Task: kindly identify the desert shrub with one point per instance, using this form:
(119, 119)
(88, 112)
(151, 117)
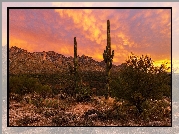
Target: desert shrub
(22, 84)
(139, 80)
(36, 100)
(83, 94)
(44, 90)
(51, 103)
(56, 89)
(123, 111)
(156, 110)
(95, 79)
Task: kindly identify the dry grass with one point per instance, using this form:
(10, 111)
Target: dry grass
(35, 111)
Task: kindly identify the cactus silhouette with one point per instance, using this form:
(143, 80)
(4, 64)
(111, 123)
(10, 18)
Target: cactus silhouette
(75, 61)
(108, 58)
(73, 69)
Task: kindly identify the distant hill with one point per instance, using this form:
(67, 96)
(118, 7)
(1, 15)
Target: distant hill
(22, 61)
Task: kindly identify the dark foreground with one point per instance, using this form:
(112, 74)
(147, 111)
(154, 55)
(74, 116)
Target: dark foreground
(33, 110)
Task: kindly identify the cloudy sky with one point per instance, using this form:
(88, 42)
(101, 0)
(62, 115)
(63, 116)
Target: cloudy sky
(141, 31)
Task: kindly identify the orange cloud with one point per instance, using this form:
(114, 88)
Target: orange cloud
(87, 22)
(138, 31)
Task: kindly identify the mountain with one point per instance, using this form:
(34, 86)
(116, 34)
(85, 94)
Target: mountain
(22, 61)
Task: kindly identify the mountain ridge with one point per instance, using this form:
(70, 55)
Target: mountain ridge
(22, 61)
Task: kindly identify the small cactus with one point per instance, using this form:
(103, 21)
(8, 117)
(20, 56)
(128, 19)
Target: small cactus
(108, 58)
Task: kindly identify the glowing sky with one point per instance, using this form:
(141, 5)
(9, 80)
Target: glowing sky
(141, 31)
(138, 31)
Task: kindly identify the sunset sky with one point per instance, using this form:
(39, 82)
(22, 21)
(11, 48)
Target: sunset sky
(141, 31)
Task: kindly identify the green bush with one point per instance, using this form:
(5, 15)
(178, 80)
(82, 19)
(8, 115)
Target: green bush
(44, 90)
(51, 103)
(139, 80)
(22, 84)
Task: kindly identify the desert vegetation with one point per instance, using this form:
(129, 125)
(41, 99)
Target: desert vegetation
(138, 94)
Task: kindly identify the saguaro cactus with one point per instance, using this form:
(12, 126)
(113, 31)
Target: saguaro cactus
(75, 62)
(108, 58)
(75, 56)
(73, 68)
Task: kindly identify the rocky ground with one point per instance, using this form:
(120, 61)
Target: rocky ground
(32, 110)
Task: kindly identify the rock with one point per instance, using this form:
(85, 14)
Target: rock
(93, 114)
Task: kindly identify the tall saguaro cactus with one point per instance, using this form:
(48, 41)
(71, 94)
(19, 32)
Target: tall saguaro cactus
(108, 58)
(75, 61)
